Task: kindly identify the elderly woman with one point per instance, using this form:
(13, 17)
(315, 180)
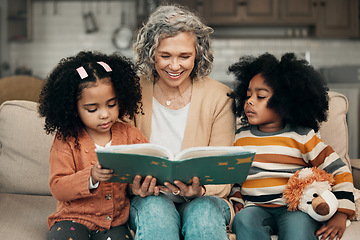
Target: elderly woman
(182, 108)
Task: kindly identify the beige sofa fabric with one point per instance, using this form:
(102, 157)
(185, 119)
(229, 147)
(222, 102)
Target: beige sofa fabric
(24, 217)
(334, 132)
(25, 200)
(24, 149)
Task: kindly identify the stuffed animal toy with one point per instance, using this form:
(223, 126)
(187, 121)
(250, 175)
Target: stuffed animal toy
(309, 190)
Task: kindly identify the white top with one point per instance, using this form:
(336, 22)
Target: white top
(168, 129)
(168, 126)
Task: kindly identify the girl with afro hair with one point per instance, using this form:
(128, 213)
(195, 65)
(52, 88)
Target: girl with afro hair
(281, 105)
(83, 101)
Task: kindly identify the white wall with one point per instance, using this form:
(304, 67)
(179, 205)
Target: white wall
(61, 35)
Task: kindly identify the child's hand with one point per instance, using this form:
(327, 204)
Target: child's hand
(335, 226)
(238, 206)
(98, 174)
(147, 188)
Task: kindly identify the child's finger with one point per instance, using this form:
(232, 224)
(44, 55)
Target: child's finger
(136, 182)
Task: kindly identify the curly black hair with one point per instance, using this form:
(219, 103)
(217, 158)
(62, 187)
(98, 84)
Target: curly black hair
(300, 92)
(62, 89)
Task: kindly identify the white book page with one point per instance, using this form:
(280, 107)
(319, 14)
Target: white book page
(143, 148)
(209, 151)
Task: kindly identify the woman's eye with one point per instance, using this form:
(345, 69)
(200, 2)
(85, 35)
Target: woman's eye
(112, 105)
(185, 57)
(91, 110)
(260, 97)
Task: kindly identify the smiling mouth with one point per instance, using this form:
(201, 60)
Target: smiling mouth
(174, 74)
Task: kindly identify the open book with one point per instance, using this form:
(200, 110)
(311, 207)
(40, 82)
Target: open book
(213, 165)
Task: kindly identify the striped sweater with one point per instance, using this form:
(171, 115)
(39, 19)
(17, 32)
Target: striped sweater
(279, 155)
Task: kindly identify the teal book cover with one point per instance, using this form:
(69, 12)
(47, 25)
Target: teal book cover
(213, 165)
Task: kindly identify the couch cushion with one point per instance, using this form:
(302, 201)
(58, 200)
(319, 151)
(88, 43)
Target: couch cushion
(25, 216)
(24, 149)
(334, 132)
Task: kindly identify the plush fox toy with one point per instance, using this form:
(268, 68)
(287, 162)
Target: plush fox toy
(309, 190)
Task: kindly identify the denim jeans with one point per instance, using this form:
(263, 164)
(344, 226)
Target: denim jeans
(157, 217)
(256, 222)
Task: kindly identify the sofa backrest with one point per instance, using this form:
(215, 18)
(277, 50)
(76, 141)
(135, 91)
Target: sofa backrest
(334, 131)
(24, 149)
(24, 145)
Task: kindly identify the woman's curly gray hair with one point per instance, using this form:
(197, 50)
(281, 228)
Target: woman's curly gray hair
(168, 21)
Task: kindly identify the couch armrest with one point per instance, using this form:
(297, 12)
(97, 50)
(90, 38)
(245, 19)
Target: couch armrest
(355, 165)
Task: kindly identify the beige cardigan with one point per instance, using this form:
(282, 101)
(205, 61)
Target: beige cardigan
(210, 122)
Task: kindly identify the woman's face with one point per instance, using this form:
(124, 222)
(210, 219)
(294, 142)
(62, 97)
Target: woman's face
(175, 59)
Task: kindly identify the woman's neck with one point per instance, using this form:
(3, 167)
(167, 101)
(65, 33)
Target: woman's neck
(173, 97)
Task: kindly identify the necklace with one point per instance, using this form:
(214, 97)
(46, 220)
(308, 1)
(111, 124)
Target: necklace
(167, 101)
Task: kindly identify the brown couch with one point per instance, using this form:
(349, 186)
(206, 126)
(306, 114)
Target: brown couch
(25, 198)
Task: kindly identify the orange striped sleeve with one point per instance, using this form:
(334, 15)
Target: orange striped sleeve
(268, 141)
(278, 158)
(310, 145)
(266, 182)
(320, 158)
(279, 141)
(343, 177)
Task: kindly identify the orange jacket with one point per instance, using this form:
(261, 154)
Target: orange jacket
(101, 208)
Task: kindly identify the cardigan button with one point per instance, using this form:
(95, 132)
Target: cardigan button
(108, 196)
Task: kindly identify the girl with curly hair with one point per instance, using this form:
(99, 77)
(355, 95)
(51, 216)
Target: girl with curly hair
(281, 105)
(82, 101)
(183, 108)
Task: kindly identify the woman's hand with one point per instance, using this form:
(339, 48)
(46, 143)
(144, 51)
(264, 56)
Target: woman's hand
(191, 191)
(98, 174)
(147, 188)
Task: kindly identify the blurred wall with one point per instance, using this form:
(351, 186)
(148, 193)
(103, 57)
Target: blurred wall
(60, 32)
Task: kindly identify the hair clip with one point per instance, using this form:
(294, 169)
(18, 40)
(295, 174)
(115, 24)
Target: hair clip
(82, 72)
(105, 66)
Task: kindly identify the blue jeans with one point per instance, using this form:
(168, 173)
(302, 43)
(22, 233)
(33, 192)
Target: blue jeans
(255, 222)
(157, 217)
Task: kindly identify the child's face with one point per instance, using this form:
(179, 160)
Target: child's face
(98, 109)
(175, 59)
(256, 110)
